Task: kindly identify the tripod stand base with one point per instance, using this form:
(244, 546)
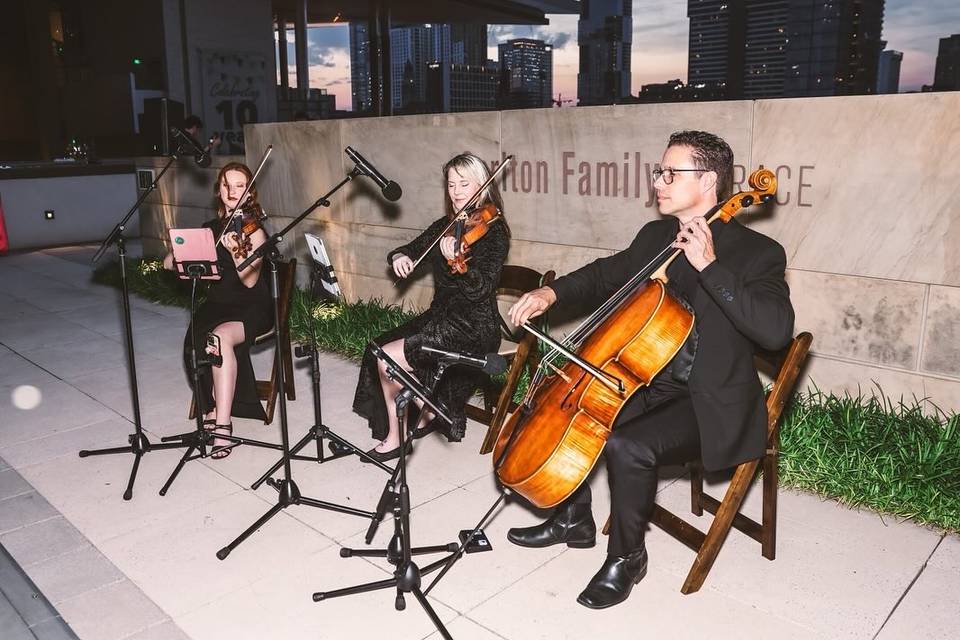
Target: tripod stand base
(288, 494)
(139, 445)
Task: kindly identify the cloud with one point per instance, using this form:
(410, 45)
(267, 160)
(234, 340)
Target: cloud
(558, 33)
(916, 29)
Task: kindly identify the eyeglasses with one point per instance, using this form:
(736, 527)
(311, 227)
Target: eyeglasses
(668, 174)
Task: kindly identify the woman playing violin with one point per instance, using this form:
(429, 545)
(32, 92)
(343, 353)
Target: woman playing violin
(462, 317)
(236, 310)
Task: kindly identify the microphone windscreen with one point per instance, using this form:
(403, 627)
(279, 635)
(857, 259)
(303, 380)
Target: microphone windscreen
(392, 191)
(496, 363)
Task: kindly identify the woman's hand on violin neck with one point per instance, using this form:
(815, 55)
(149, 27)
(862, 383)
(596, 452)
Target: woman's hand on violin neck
(402, 265)
(531, 305)
(448, 247)
(231, 241)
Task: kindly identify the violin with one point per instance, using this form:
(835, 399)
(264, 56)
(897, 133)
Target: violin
(244, 222)
(477, 225)
(460, 217)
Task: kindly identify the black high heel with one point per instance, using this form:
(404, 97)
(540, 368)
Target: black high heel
(218, 453)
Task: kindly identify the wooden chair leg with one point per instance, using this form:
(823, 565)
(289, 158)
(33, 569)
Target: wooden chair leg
(720, 527)
(696, 488)
(768, 543)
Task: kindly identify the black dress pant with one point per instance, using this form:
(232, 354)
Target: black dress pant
(657, 427)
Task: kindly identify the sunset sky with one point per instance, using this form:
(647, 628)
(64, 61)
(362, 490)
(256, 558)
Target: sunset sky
(660, 29)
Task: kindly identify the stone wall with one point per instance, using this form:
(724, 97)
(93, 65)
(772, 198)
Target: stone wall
(864, 209)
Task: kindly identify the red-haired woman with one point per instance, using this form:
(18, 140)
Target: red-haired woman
(237, 309)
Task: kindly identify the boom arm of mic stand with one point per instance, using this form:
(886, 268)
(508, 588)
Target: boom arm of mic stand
(118, 229)
(277, 238)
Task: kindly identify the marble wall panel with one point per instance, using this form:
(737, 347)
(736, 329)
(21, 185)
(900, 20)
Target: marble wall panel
(582, 176)
(411, 150)
(866, 319)
(943, 393)
(941, 341)
(414, 297)
(544, 256)
(305, 163)
(869, 186)
(838, 377)
(354, 247)
(184, 183)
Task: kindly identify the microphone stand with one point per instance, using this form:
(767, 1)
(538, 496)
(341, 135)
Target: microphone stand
(288, 493)
(396, 496)
(138, 443)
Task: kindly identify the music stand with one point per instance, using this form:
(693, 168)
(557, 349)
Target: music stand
(323, 279)
(406, 576)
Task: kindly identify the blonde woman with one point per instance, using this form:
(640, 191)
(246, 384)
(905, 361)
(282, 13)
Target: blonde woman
(462, 317)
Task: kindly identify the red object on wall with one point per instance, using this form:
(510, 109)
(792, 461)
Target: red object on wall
(4, 242)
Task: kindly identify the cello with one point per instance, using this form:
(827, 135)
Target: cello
(552, 441)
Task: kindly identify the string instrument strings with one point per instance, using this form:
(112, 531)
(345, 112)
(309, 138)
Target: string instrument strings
(477, 226)
(763, 184)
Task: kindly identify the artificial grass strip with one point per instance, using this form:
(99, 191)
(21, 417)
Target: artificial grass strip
(867, 451)
(148, 279)
(864, 451)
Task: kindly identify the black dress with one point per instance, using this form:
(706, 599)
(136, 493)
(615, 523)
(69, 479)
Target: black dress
(462, 317)
(228, 299)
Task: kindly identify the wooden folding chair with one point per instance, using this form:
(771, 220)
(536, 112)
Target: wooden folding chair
(787, 364)
(268, 389)
(498, 399)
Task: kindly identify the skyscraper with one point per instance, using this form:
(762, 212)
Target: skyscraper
(605, 34)
(468, 44)
(946, 76)
(765, 48)
(411, 49)
(526, 67)
(715, 47)
(834, 47)
(459, 87)
(888, 71)
(360, 66)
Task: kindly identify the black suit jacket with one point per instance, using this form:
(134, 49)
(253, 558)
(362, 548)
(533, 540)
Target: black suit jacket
(742, 300)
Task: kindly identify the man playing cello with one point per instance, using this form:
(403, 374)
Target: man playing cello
(708, 402)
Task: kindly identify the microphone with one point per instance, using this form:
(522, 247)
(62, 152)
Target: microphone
(200, 155)
(491, 363)
(391, 190)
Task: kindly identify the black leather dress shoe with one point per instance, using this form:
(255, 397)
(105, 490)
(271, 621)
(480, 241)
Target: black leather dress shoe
(572, 525)
(615, 580)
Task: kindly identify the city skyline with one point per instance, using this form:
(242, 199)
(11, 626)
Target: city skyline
(660, 40)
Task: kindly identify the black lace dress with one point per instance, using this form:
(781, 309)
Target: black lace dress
(228, 299)
(462, 317)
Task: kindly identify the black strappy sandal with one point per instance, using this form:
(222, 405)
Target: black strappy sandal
(218, 453)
